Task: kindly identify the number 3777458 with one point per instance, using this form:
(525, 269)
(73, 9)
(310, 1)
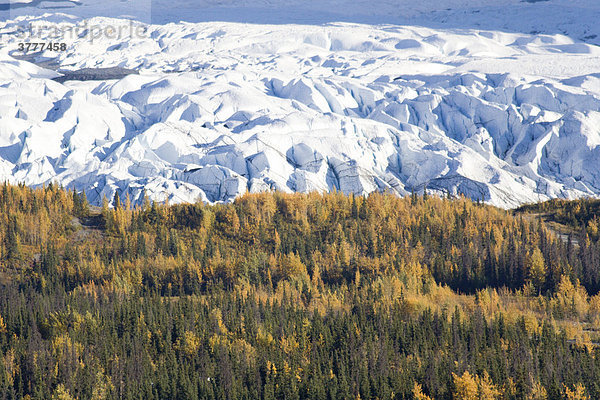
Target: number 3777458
(27, 47)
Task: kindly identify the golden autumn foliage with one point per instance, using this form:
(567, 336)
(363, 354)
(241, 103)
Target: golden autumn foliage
(389, 271)
(189, 343)
(474, 387)
(465, 387)
(578, 392)
(538, 392)
(418, 394)
(61, 393)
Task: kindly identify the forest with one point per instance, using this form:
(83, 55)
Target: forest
(297, 296)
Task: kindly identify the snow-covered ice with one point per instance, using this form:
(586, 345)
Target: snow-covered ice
(479, 99)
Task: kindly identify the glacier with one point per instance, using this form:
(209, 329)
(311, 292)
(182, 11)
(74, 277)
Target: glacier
(218, 109)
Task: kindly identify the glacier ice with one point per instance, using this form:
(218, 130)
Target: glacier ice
(219, 109)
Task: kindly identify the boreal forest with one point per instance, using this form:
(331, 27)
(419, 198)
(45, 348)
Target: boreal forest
(297, 296)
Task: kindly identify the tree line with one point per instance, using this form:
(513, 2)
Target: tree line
(276, 295)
